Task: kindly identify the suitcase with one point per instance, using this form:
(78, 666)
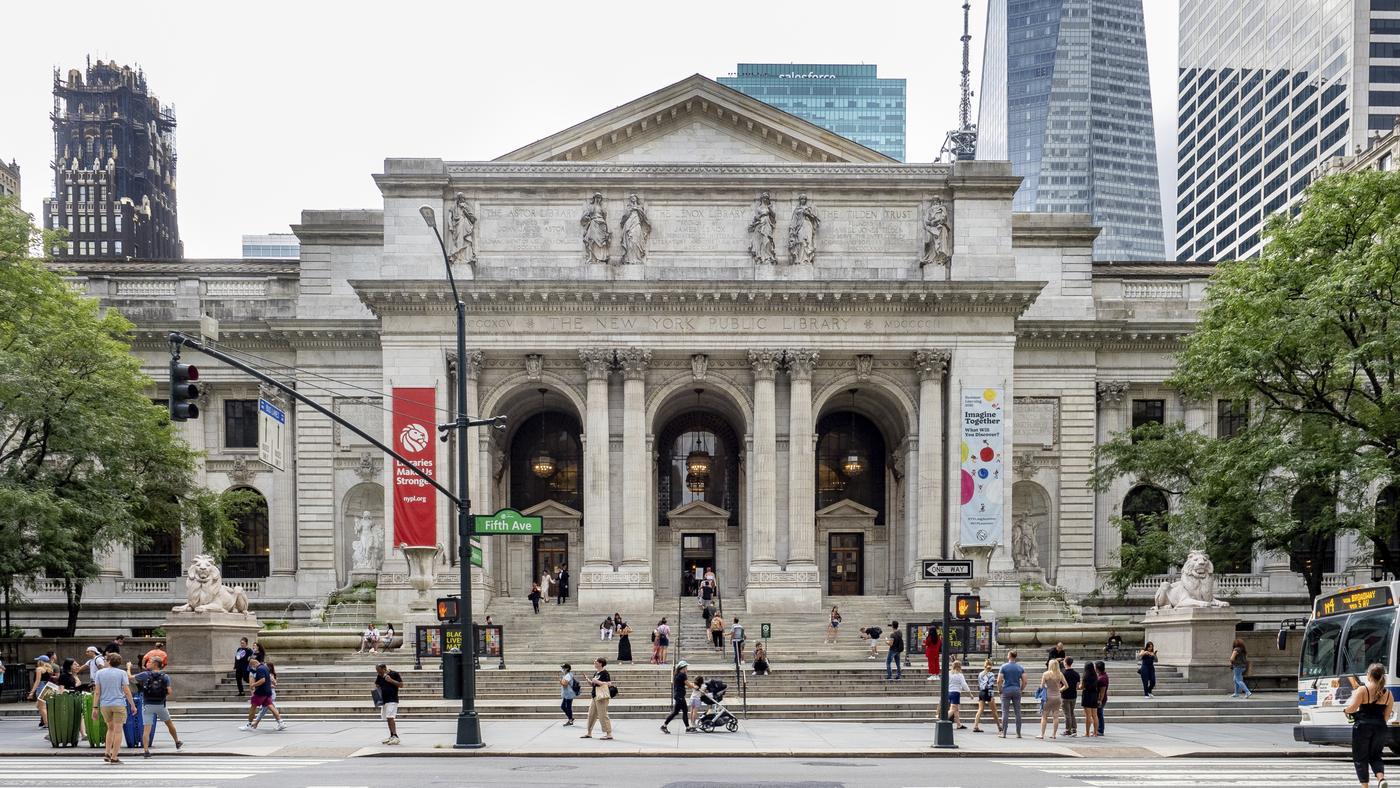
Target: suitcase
(64, 710)
(96, 728)
(131, 729)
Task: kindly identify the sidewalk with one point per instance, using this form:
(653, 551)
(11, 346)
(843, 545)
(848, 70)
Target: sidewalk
(758, 738)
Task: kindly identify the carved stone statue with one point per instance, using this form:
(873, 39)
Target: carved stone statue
(461, 232)
(368, 548)
(761, 226)
(1024, 551)
(597, 238)
(205, 591)
(802, 233)
(636, 229)
(1195, 587)
(938, 236)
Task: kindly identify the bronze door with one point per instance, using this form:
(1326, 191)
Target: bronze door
(697, 551)
(845, 564)
(551, 553)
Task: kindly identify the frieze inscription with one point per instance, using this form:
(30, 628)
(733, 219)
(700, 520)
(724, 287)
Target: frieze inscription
(818, 322)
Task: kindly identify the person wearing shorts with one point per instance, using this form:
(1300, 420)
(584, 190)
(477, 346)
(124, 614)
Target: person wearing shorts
(261, 684)
(155, 690)
(113, 699)
(388, 683)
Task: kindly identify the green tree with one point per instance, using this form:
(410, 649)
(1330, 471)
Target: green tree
(87, 461)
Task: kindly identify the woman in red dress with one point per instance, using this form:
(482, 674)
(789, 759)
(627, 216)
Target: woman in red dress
(933, 648)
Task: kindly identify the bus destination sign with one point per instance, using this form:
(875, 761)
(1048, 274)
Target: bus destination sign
(1352, 600)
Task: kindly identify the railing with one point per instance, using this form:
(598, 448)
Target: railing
(1225, 585)
(45, 585)
(1338, 579)
(147, 587)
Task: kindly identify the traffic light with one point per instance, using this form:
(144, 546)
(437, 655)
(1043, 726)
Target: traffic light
(447, 608)
(183, 392)
(967, 606)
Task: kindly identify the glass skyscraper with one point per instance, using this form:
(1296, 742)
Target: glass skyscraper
(1265, 93)
(849, 100)
(1065, 97)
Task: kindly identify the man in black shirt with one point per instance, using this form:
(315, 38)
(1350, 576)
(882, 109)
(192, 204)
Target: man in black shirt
(678, 705)
(896, 642)
(1069, 694)
(1058, 652)
(388, 683)
(602, 693)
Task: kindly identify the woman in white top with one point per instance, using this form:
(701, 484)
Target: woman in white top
(545, 583)
(369, 641)
(957, 685)
(986, 696)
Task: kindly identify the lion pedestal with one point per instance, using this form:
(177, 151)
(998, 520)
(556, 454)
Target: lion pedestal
(1190, 627)
(202, 634)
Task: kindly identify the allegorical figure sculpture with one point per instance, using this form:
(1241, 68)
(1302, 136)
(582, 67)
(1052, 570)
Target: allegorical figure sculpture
(761, 226)
(802, 233)
(636, 229)
(461, 231)
(368, 548)
(1024, 552)
(205, 591)
(1196, 586)
(597, 238)
(938, 236)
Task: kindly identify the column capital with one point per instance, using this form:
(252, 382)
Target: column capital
(800, 363)
(597, 362)
(765, 363)
(475, 360)
(1111, 392)
(931, 364)
(633, 362)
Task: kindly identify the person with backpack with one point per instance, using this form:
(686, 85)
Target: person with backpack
(388, 683)
(154, 684)
(895, 650)
(737, 638)
(568, 690)
(534, 596)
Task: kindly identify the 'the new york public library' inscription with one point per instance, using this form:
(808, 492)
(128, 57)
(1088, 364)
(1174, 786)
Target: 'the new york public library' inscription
(818, 322)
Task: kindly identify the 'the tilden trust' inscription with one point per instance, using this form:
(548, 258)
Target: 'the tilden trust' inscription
(816, 323)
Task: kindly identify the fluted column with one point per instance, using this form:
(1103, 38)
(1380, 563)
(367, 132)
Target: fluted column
(930, 366)
(636, 478)
(597, 517)
(763, 532)
(802, 509)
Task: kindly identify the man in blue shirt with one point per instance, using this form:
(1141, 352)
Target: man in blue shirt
(1011, 680)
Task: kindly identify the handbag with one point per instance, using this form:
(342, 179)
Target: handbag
(612, 691)
(377, 696)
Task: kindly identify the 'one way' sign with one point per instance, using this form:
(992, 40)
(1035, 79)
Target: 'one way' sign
(947, 569)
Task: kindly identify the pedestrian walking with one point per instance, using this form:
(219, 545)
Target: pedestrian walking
(240, 663)
(1070, 695)
(679, 683)
(655, 645)
(1370, 708)
(43, 670)
(95, 662)
(1089, 698)
(115, 646)
(546, 582)
(933, 647)
(1051, 692)
(261, 682)
(695, 702)
(894, 650)
(624, 641)
(872, 634)
(717, 632)
(1102, 675)
(832, 624)
(388, 683)
(736, 639)
(155, 687)
(957, 685)
(601, 682)
(707, 613)
(1011, 680)
(113, 690)
(663, 639)
(568, 690)
(534, 596)
(760, 660)
(1239, 663)
(259, 651)
(986, 696)
(1147, 668)
(562, 592)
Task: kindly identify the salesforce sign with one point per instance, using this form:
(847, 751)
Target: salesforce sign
(808, 75)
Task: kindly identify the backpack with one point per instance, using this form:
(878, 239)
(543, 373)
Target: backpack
(155, 688)
(575, 688)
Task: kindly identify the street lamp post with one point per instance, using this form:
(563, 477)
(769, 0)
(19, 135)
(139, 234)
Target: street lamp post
(468, 723)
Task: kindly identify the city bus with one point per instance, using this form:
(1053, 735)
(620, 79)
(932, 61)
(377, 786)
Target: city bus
(1347, 632)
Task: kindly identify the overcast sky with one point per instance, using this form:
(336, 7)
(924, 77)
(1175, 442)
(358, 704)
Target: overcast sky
(291, 105)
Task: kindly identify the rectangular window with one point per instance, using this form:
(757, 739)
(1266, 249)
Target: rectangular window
(117, 220)
(1367, 641)
(116, 247)
(241, 423)
(1320, 643)
(1231, 416)
(1148, 411)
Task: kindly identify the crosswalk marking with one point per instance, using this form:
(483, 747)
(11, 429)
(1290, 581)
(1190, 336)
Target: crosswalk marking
(1195, 773)
(187, 770)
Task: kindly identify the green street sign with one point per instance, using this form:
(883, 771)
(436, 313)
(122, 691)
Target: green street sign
(476, 553)
(765, 631)
(506, 522)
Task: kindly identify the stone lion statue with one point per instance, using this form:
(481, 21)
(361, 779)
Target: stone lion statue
(1195, 587)
(206, 592)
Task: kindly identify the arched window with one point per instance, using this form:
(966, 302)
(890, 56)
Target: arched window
(545, 461)
(250, 558)
(1313, 507)
(850, 462)
(698, 460)
(158, 557)
(1143, 506)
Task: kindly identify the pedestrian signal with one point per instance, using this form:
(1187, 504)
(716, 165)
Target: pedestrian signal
(447, 608)
(183, 392)
(968, 606)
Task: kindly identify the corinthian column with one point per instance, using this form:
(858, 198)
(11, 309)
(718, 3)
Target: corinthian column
(763, 530)
(928, 542)
(597, 518)
(636, 479)
(802, 511)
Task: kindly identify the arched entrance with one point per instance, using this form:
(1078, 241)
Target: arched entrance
(1031, 529)
(544, 476)
(362, 532)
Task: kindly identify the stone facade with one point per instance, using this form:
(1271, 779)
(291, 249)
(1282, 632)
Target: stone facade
(753, 367)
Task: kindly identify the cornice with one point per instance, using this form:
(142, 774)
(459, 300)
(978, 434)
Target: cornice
(1052, 230)
(433, 296)
(340, 228)
(189, 269)
(1103, 334)
(260, 337)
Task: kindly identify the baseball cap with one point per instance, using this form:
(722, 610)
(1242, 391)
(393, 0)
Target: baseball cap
(682, 664)
(93, 650)
(41, 658)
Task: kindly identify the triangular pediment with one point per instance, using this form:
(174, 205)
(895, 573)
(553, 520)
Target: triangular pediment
(553, 509)
(697, 120)
(698, 509)
(847, 508)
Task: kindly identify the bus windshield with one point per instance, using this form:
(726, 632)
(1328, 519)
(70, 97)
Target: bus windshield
(1347, 644)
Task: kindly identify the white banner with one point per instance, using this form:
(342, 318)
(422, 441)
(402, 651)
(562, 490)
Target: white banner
(983, 431)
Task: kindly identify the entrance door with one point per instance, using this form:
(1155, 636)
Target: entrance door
(845, 564)
(697, 550)
(551, 552)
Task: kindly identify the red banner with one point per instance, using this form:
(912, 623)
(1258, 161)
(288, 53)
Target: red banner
(415, 501)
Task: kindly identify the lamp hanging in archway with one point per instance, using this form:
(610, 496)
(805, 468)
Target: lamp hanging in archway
(853, 460)
(699, 461)
(542, 464)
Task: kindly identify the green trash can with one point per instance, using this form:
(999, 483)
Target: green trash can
(452, 675)
(65, 711)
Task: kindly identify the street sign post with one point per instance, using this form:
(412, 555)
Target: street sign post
(506, 522)
(476, 552)
(272, 422)
(946, 569)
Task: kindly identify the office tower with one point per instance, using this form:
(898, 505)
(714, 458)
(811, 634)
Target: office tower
(272, 245)
(849, 100)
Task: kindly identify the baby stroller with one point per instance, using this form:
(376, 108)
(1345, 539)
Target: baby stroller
(716, 715)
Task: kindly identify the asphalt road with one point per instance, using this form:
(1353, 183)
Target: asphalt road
(706, 772)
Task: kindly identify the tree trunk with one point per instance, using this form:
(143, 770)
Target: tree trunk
(73, 590)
